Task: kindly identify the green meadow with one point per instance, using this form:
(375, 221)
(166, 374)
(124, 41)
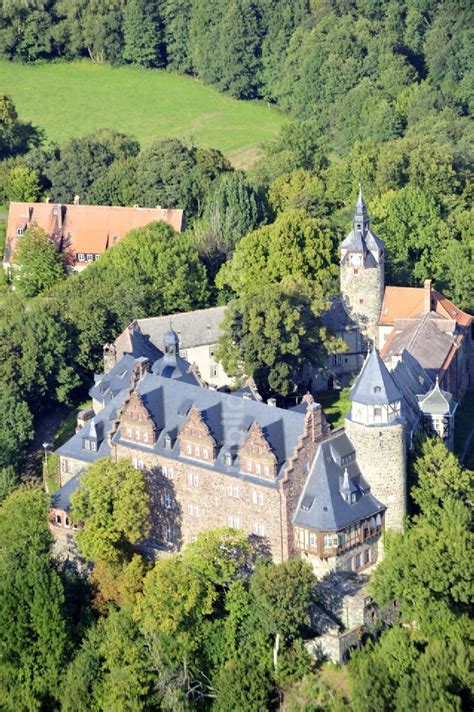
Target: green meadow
(74, 99)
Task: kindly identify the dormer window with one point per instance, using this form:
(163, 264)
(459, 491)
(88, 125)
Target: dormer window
(228, 459)
(19, 231)
(168, 442)
(90, 257)
(377, 389)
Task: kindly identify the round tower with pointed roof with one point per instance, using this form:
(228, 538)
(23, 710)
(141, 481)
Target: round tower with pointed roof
(376, 428)
(362, 273)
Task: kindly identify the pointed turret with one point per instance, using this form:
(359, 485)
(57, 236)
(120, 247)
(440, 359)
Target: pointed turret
(362, 272)
(376, 428)
(376, 390)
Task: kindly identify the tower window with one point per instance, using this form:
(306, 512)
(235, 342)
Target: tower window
(377, 389)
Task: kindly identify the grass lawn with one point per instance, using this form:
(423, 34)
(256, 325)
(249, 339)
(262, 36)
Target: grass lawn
(68, 426)
(336, 404)
(74, 99)
(463, 423)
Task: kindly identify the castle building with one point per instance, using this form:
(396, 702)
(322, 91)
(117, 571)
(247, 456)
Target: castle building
(214, 459)
(211, 459)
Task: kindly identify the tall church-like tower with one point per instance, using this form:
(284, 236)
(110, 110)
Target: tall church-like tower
(362, 273)
(377, 431)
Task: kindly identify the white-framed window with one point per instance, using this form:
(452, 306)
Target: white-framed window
(96, 257)
(19, 231)
(330, 541)
(258, 529)
(257, 497)
(90, 257)
(248, 466)
(93, 446)
(214, 371)
(168, 472)
(193, 510)
(233, 491)
(197, 451)
(233, 522)
(193, 479)
(87, 444)
(183, 354)
(140, 465)
(81, 257)
(145, 437)
(167, 500)
(312, 539)
(137, 434)
(205, 453)
(258, 468)
(129, 432)
(65, 466)
(266, 471)
(189, 449)
(135, 463)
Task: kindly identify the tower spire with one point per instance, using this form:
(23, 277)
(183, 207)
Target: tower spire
(361, 215)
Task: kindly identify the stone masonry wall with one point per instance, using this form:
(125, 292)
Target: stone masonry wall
(366, 284)
(381, 456)
(190, 499)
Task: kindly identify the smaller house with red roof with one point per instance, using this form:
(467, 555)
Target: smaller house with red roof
(82, 232)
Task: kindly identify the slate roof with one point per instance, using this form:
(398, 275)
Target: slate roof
(437, 402)
(361, 240)
(322, 506)
(194, 328)
(374, 384)
(85, 228)
(228, 417)
(109, 384)
(74, 447)
(61, 499)
(429, 338)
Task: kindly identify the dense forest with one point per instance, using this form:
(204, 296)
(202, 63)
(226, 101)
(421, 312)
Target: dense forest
(378, 93)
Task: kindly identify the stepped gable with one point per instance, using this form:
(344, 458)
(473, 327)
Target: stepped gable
(335, 494)
(374, 385)
(228, 418)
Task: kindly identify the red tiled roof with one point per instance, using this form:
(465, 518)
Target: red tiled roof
(406, 302)
(85, 228)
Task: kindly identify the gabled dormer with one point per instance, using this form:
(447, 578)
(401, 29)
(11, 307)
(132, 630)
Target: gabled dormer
(92, 436)
(136, 422)
(256, 455)
(195, 438)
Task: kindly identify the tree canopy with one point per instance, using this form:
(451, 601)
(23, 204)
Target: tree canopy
(40, 264)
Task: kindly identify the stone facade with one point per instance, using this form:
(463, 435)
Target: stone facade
(362, 293)
(381, 453)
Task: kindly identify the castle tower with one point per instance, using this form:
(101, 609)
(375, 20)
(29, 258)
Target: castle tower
(377, 430)
(362, 273)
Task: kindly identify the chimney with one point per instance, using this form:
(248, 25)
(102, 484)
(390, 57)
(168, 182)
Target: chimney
(427, 295)
(272, 402)
(77, 200)
(142, 365)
